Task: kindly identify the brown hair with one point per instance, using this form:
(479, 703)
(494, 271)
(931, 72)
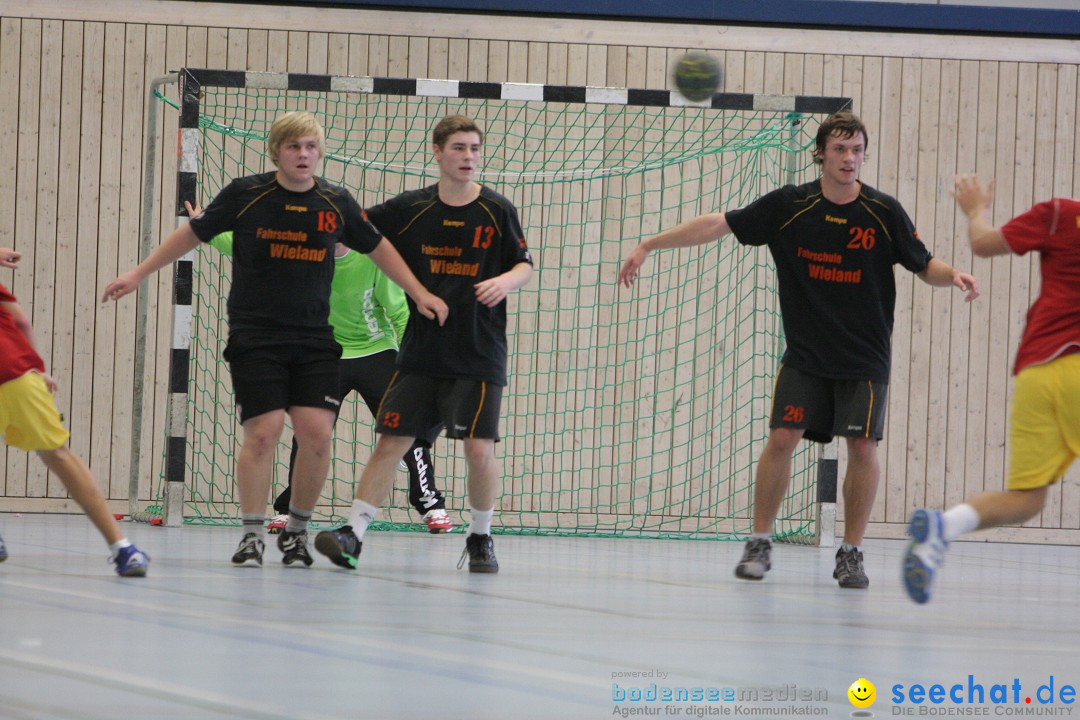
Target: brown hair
(291, 126)
(454, 124)
(844, 124)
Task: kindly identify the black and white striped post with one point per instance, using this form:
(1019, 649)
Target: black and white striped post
(179, 358)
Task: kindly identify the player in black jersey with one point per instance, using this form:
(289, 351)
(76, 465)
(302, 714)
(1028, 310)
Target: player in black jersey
(464, 241)
(834, 242)
(281, 351)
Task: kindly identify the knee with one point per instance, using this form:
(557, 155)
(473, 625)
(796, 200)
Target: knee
(783, 441)
(391, 446)
(260, 443)
(315, 440)
(1032, 501)
(261, 438)
(862, 450)
(479, 454)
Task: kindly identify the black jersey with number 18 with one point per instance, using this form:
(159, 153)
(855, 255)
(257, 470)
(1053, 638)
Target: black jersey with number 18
(283, 250)
(450, 249)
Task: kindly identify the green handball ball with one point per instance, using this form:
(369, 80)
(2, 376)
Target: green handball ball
(698, 75)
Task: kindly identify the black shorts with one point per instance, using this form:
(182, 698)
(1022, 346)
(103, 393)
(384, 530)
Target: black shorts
(269, 373)
(414, 404)
(370, 375)
(824, 407)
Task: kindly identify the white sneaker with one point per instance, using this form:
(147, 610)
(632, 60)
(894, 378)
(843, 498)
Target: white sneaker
(438, 521)
(277, 524)
(925, 554)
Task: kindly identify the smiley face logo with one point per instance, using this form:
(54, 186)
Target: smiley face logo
(862, 693)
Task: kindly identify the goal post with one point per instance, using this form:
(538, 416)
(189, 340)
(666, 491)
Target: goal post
(628, 412)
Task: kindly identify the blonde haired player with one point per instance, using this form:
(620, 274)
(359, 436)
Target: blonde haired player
(281, 352)
(1044, 427)
(30, 421)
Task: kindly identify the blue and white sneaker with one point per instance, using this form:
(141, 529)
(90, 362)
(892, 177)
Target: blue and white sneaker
(3, 551)
(130, 562)
(925, 554)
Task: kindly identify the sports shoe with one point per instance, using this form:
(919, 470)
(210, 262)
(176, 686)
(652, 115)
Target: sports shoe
(250, 548)
(130, 562)
(438, 521)
(755, 559)
(293, 547)
(3, 551)
(925, 554)
(849, 570)
(341, 546)
(480, 550)
(277, 524)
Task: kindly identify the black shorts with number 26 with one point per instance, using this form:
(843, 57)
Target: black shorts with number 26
(825, 407)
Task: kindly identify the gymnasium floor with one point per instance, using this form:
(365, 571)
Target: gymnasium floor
(409, 636)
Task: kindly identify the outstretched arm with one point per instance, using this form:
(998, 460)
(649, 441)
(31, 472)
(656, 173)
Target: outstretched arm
(986, 240)
(698, 231)
(390, 262)
(182, 240)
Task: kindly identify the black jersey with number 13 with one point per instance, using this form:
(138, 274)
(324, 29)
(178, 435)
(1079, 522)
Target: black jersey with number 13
(450, 249)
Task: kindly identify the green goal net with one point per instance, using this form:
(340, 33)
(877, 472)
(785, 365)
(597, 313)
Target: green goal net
(628, 412)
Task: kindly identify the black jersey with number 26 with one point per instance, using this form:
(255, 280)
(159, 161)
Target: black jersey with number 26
(450, 249)
(834, 269)
(283, 250)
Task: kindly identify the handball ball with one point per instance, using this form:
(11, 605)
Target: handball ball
(698, 75)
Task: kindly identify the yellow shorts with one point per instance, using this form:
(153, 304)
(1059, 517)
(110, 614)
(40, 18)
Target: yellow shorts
(1044, 428)
(29, 419)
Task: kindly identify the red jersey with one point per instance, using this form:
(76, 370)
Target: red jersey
(1053, 321)
(17, 355)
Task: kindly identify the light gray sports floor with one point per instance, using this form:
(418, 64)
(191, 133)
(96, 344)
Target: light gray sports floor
(409, 636)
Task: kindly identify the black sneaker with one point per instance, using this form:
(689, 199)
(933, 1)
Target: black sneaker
(480, 550)
(293, 547)
(755, 560)
(849, 570)
(3, 551)
(341, 546)
(250, 548)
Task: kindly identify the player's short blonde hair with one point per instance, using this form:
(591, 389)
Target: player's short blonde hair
(294, 125)
(454, 124)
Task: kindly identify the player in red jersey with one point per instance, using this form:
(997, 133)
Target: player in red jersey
(30, 421)
(1044, 426)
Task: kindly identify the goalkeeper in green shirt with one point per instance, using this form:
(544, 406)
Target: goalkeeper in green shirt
(368, 313)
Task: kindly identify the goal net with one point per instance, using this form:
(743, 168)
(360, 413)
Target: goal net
(628, 412)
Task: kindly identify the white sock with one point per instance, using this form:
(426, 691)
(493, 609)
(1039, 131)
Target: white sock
(761, 536)
(958, 521)
(481, 521)
(121, 543)
(361, 516)
(298, 520)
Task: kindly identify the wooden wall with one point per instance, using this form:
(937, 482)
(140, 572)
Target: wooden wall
(73, 89)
